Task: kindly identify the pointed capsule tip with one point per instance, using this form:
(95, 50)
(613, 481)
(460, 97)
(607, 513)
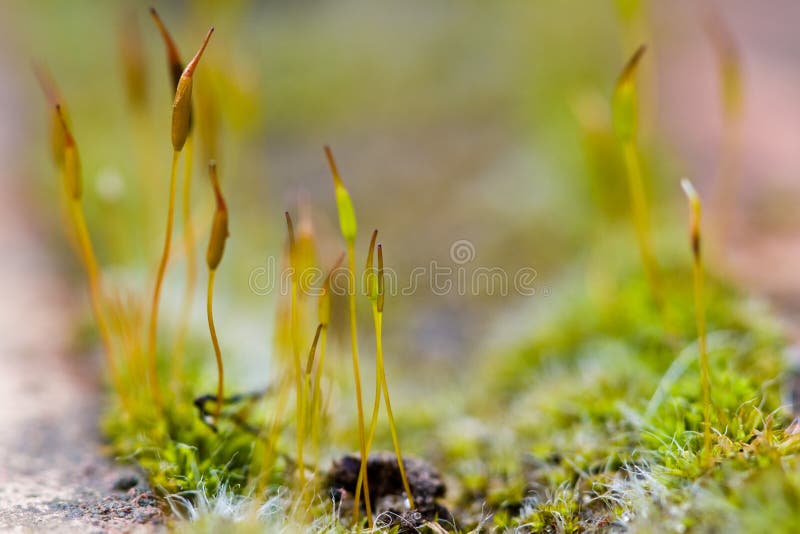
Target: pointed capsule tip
(381, 281)
(189, 70)
(289, 227)
(69, 140)
(689, 189)
(332, 164)
(212, 170)
(632, 64)
(46, 83)
(312, 352)
(371, 251)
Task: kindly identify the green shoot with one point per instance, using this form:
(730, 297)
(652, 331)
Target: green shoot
(295, 334)
(372, 294)
(310, 364)
(216, 247)
(307, 379)
(162, 267)
(181, 110)
(700, 312)
(348, 226)
(626, 121)
(377, 313)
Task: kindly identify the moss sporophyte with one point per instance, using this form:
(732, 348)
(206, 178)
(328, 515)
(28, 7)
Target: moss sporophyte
(181, 112)
(216, 246)
(176, 68)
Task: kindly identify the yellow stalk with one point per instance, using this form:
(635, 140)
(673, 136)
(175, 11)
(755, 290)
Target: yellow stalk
(372, 294)
(316, 401)
(323, 316)
(162, 267)
(216, 247)
(191, 268)
(217, 352)
(351, 263)
(298, 373)
(95, 291)
(67, 157)
(377, 312)
(641, 218)
(700, 312)
(625, 114)
(181, 117)
(307, 380)
(348, 226)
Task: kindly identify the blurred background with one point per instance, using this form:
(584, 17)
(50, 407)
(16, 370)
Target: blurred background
(471, 121)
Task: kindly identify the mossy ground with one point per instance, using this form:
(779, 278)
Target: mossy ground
(595, 423)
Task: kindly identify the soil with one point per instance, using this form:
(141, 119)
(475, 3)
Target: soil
(386, 489)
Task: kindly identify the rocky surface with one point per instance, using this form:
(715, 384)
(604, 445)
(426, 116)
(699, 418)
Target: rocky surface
(53, 473)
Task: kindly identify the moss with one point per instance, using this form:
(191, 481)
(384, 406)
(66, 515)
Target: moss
(595, 423)
(609, 410)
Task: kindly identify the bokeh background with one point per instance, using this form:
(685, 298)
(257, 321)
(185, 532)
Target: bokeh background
(451, 121)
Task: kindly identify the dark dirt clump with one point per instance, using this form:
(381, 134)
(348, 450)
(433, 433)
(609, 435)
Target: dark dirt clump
(126, 482)
(386, 489)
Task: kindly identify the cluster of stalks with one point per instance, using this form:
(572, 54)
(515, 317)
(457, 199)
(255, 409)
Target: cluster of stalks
(117, 321)
(311, 408)
(304, 377)
(181, 123)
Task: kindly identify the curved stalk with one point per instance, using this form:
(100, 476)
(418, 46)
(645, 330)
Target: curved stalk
(298, 372)
(698, 277)
(95, 292)
(217, 352)
(191, 267)
(162, 267)
(351, 261)
(641, 218)
(316, 400)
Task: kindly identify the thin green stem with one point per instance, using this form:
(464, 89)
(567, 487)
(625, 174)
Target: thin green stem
(705, 373)
(351, 260)
(316, 400)
(641, 220)
(378, 319)
(299, 390)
